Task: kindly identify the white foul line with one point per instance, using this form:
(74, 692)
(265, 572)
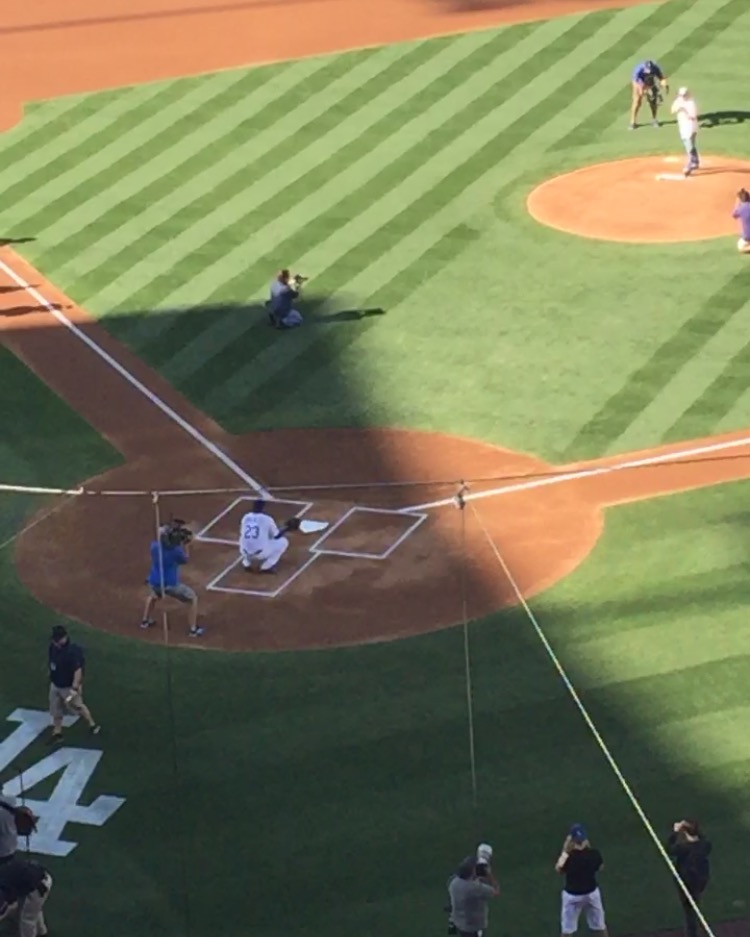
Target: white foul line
(585, 473)
(138, 385)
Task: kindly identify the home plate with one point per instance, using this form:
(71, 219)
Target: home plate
(672, 176)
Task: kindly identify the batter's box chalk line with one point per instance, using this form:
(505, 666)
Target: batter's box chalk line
(417, 519)
(304, 507)
(316, 550)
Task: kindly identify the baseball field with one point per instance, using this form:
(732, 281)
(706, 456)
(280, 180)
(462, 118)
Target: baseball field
(511, 297)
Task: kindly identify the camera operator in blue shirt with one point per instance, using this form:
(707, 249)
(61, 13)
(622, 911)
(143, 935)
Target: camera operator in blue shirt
(285, 288)
(168, 554)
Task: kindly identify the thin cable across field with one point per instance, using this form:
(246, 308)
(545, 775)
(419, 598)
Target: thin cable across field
(604, 748)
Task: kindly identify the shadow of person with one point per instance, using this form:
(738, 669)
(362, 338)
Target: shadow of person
(15, 311)
(5, 242)
(723, 118)
(347, 315)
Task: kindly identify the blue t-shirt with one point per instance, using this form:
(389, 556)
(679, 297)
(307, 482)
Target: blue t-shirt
(168, 565)
(282, 296)
(640, 73)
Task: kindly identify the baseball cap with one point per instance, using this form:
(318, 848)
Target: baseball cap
(466, 869)
(681, 92)
(578, 833)
(59, 632)
(258, 505)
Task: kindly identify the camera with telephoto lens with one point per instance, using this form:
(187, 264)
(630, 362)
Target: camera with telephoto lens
(484, 858)
(298, 280)
(176, 534)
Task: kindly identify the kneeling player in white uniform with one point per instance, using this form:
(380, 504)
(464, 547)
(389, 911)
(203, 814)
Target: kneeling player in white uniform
(261, 546)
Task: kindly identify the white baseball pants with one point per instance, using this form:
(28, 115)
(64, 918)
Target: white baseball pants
(574, 905)
(268, 556)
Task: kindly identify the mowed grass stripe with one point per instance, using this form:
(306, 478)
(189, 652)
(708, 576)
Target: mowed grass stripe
(164, 344)
(416, 92)
(415, 97)
(375, 134)
(53, 157)
(396, 244)
(675, 695)
(683, 407)
(672, 56)
(340, 273)
(338, 115)
(52, 117)
(717, 400)
(63, 212)
(265, 390)
(118, 175)
(51, 122)
(259, 153)
(229, 141)
(412, 149)
(647, 382)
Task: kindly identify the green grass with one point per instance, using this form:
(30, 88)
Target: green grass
(329, 792)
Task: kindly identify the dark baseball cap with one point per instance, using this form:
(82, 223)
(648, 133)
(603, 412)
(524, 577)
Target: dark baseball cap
(578, 833)
(467, 867)
(59, 632)
(259, 505)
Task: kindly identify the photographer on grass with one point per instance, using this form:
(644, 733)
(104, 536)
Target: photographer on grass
(471, 890)
(284, 290)
(168, 554)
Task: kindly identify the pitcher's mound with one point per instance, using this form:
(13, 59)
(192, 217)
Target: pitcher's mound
(643, 200)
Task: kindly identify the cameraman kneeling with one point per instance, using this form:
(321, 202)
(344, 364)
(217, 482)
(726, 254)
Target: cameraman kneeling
(168, 554)
(470, 891)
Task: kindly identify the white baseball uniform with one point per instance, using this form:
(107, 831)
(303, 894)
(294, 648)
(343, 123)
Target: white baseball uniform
(259, 541)
(574, 905)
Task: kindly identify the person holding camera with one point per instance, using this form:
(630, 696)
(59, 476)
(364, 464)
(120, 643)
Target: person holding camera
(285, 288)
(471, 889)
(690, 853)
(579, 863)
(168, 554)
(66, 663)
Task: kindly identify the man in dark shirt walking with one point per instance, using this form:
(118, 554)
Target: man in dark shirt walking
(690, 851)
(579, 863)
(25, 885)
(66, 668)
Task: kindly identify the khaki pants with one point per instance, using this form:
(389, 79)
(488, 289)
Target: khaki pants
(31, 916)
(63, 700)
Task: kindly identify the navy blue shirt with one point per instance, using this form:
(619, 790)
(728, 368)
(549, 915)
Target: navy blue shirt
(63, 663)
(19, 877)
(282, 297)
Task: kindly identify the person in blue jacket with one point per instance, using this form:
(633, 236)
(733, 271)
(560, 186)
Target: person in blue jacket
(648, 80)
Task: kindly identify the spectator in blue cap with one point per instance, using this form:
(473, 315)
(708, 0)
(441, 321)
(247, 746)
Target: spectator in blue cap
(580, 863)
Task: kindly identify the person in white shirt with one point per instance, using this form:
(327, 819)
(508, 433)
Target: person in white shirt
(261, 545)
(686, 111)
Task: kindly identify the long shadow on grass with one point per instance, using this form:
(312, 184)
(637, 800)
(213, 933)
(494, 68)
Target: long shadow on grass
(328, 792)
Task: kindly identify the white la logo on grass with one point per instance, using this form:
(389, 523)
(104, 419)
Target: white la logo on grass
(63, 805)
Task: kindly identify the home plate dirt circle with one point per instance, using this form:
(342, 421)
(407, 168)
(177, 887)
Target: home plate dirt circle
(643, 200)
(380, 574)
